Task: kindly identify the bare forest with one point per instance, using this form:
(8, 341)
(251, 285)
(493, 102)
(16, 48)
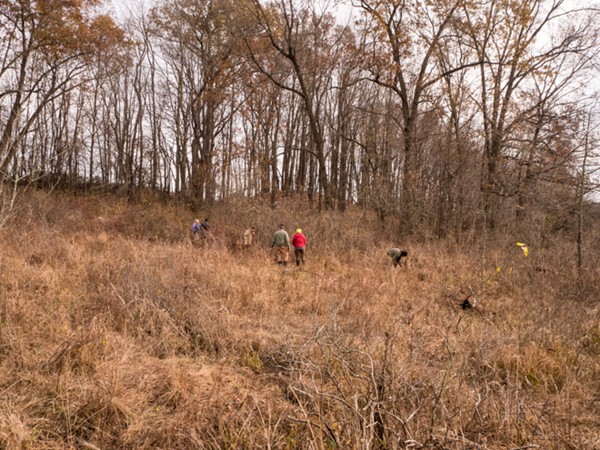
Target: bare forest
(454, 129)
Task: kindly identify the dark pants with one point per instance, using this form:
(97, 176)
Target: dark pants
(396, 260)
(299, 252)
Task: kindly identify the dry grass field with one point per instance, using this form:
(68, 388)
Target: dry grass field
(116, 332)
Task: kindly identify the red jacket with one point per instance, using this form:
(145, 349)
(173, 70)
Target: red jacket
(299, 240)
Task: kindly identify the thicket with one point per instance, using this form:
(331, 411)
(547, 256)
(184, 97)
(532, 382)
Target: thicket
(116, 331)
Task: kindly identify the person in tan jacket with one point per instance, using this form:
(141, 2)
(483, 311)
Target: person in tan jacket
(249, 238)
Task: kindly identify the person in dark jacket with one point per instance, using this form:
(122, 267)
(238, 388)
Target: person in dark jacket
(205, 228)
(397, 254)
(299, 243)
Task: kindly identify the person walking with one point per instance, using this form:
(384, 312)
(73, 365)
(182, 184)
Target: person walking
(281, 245)
(249, 238)
(299, 243)
(196, 230)
(205, 228)
(206, 233)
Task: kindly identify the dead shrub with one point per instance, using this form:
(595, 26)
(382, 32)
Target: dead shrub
(115, 332)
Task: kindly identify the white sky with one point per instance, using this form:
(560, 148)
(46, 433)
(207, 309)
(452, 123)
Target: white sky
(123, 8)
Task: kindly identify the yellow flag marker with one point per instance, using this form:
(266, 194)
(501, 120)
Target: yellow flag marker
(524, 248)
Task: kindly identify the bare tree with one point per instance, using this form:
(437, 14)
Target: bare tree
(517, 44)
(400, 52)
(585, 184)
(201, 34)
(300, 35)
(44, 57)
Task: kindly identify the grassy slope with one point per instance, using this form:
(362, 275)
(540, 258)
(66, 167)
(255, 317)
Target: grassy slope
(116, 332)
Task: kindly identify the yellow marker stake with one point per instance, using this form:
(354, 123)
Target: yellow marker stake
(524, 248)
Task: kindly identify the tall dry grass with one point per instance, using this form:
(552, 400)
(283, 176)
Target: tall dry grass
(117, 332)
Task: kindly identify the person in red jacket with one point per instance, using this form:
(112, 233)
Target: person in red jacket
(299, 243)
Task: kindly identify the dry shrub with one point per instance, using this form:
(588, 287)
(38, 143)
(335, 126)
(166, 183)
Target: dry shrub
(117, 332)
(200, 405)
(14, 433)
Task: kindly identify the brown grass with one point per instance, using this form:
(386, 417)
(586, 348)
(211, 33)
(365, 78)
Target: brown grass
(117, 332)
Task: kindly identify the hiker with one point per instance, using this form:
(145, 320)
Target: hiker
(397, 254)
(281, 245)
(196, 230)
(249, 238)
(299, 243)
(205, 228)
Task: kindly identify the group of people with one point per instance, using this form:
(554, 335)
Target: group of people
(282, 244)
(200, 230)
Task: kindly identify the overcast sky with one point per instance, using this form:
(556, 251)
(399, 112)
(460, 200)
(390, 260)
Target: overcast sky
(123, 8)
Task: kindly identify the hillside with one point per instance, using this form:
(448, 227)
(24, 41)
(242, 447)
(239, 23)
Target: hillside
(117, 332)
